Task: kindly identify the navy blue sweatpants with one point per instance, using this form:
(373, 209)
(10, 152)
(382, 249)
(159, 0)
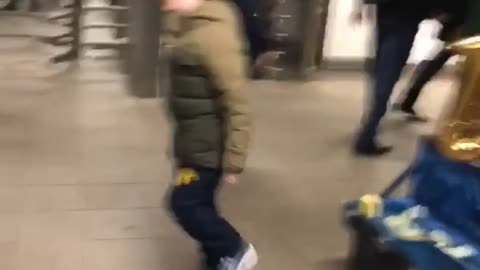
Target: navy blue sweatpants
(395, 37)
(193, 205)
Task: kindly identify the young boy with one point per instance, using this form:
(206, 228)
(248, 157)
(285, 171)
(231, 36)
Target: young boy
(211, 125)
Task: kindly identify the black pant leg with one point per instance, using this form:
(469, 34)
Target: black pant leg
(194, 208)
(423, 75)
(394, 41)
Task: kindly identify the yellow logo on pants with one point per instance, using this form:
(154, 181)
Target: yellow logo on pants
(186, 177)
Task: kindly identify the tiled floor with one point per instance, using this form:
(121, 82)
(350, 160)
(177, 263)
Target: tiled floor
(83, 172)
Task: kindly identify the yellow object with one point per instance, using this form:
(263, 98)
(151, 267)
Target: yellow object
(459, 136)
(370, 206)
(186, 177)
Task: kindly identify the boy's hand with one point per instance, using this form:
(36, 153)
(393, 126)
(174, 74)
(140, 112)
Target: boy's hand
(232, 179)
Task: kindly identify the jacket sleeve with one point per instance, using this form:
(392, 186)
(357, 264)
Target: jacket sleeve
(223, 51)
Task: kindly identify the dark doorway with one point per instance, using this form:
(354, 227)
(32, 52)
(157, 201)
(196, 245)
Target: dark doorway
(298, 33)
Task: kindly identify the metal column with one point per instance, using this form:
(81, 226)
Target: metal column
(143, 33)
(314, 37)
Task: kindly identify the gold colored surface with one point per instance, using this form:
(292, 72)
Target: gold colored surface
(459, 136)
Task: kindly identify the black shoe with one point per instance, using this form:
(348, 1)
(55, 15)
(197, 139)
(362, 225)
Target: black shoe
(207, 263)
(205, 266)
(372, 150)
(397, 107)
(410, 114)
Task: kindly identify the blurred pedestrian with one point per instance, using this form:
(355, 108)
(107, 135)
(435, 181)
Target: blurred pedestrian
(452, 20)
(211, 125)
(257, 17)
(251, 11)
(396, 27)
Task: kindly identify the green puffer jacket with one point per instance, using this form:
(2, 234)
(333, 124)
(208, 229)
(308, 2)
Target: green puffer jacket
(207, 99)
(199, 135)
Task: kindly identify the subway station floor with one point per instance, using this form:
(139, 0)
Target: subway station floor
(83, 170)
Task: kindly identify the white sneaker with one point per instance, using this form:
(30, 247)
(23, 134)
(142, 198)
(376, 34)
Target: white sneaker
(246, 259)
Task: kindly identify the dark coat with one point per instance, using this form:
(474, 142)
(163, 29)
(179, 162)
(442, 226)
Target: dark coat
(471, 26)
(207, 99)
(408, 10)
(464, 19)
(256, 30)
(457, 11)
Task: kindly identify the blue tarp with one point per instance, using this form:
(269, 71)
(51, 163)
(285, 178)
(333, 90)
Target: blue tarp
(451, 192)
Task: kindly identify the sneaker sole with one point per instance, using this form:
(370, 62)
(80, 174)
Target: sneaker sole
(249, 260)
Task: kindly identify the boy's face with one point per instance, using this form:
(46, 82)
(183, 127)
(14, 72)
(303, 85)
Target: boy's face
(181, 6)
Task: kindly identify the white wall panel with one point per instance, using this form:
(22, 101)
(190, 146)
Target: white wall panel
(347, 41)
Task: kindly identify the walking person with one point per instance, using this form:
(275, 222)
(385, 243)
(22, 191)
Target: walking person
(396, 27)
(452, 22)
(257, 18)
(211, 125)
(249, 9)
